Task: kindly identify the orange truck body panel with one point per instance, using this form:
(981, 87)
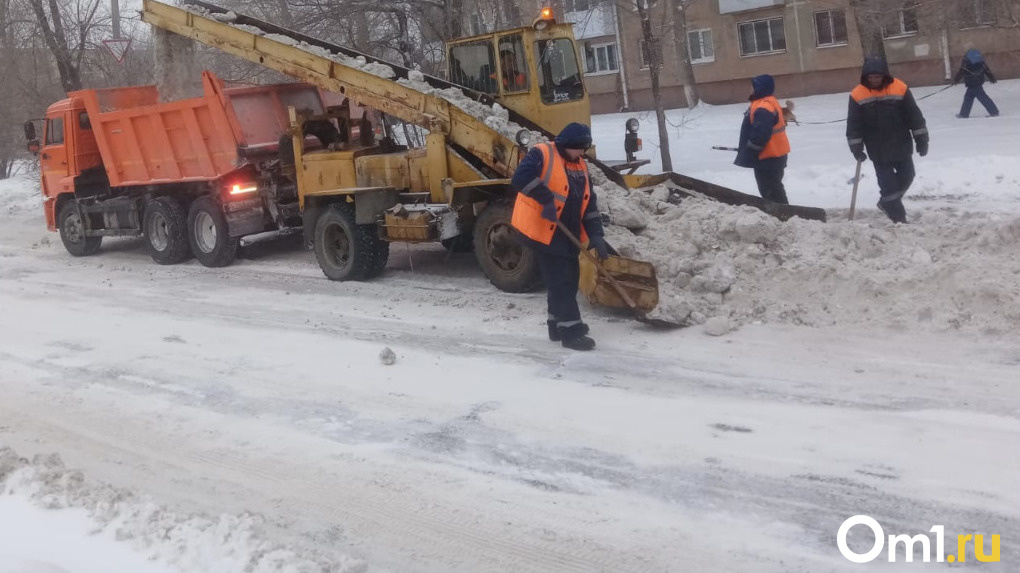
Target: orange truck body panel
(142, 142)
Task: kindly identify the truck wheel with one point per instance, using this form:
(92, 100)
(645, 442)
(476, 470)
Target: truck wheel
(165, 225)
(72, 232)
(345, 250)
(462, 243)
(379, 251)
(508, 264)
(209, 235)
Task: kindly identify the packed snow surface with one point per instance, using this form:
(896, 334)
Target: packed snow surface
(178, 418)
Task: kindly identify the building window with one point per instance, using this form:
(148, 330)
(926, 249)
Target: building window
(577, 5)
(700, 47)
(900, 23)
(975, 13)
(762, 37)
(477, 24)
(830, 28)
(601, 59)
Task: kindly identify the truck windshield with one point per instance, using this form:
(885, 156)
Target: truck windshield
(473, 66)
(559, 80)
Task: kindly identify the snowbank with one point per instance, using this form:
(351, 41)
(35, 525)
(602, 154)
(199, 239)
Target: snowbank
(947, 270)
(121, 532)
(20, 194)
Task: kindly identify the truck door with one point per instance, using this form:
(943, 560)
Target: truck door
(53, 158)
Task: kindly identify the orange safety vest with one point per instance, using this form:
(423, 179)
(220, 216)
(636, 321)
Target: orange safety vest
(519, 81)
(778, 145)
(527, 217)
(895, 91)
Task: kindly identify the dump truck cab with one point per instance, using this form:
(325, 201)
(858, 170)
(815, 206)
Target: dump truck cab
(533, 70)
(67, 150)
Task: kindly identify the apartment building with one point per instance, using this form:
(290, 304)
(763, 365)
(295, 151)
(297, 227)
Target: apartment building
(811, 46)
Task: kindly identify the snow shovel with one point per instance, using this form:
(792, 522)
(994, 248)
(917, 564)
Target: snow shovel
(633, 283)
(853, 197)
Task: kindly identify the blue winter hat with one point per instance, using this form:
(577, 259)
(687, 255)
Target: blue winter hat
(574, 136)
(973, 56)
(763, 85)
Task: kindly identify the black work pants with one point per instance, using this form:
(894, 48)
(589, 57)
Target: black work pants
(977, 92)
(768, 173)
(894, 178)
(561, 275)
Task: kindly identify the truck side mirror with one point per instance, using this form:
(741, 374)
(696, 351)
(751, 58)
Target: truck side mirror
(29, 131)
(33, 146)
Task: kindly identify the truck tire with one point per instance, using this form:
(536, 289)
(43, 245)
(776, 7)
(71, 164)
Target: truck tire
(380, 251)
(165, 225)
(209, 235)
(462, 243)
(509, 265)
(345, 250)
(72, 232)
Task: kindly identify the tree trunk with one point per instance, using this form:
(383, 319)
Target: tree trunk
(869, 27)
(56, 41)
(454, 13)
(683, 52)
(286, 19)
(654, 67)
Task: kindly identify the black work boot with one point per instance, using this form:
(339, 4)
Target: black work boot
(554, 331)
(896, 215)
(574, 337)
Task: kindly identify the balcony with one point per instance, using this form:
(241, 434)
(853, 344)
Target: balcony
(730, 6)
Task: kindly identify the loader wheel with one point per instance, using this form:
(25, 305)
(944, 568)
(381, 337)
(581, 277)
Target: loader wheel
(72, 232)
(345, 250)
(508, 264)
(462, 243)
(165, 224)
(379, 251)
(209, 234)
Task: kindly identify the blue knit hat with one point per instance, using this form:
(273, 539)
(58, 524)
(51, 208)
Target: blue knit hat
(574, 136)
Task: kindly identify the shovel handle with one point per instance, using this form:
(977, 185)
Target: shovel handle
(598, 265)
(853, 197)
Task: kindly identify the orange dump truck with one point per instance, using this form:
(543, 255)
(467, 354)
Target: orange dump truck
(190, 175)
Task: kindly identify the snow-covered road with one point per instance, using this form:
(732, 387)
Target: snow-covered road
(258, 388)
(240, 419)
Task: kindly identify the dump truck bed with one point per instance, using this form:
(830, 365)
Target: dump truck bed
(143, 141)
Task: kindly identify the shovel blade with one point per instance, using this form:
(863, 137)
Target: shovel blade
(636, 278)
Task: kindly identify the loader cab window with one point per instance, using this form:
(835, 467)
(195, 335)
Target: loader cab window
(55, 131)
(559, 80)
(474, 66)
(84, 122)
(513, 69)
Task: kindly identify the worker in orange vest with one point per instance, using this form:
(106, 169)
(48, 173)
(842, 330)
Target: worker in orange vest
(763, 142)
(553, 185)
(513, 79)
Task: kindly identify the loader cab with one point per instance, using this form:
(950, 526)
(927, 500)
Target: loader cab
(533, 70)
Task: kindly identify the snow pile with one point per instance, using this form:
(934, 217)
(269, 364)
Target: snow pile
(946, 270)
(496, 117)
(193, 543)
(20, 194)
